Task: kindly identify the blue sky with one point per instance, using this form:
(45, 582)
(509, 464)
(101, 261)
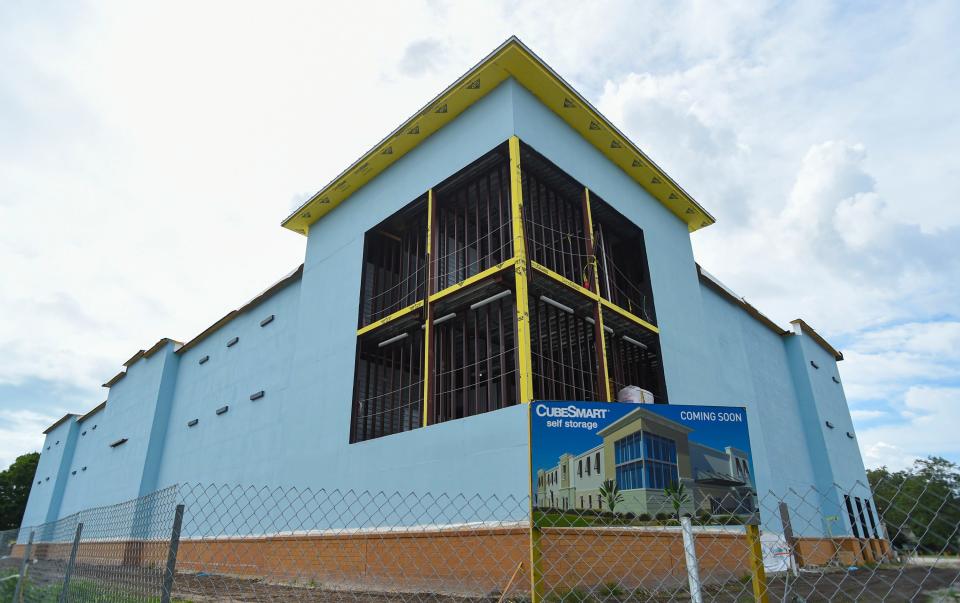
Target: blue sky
(149, 151)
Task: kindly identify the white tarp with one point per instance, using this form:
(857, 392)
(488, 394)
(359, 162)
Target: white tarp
(776, 553)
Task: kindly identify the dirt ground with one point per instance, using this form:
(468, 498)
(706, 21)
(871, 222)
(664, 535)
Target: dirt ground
(910, 583)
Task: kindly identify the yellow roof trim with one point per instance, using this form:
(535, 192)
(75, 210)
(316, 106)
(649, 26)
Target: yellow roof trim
(510, 59)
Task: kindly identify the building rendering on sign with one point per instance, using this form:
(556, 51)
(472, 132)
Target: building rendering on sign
(505, 244)
(644, 454)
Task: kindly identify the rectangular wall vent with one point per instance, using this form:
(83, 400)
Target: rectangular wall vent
(222, 410)
(233, 342)
(192, 422)
(118, 442)
(204, 360)
(266, 321)
(257, 395)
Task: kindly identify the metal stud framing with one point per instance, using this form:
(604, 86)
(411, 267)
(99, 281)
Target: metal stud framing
(555, 230)
(564, 354)
(395, 266)
(389, 387)
(472, 224)
(599, 340)
(475, 361)
(634, 365)
(428, 355)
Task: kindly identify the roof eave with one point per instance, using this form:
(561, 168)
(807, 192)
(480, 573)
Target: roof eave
(510, 59)
(817, 338)
(59, 422)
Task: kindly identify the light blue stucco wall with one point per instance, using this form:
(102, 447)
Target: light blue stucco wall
(116, 474)
(49, 481)
(483, 454)
(797, 458)
(754, 372)
(298, 433)
(246, 443)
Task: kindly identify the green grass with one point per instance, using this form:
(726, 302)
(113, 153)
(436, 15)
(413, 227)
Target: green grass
(561, 520)
(610, 590)
(79, 590)
(944, 595)
(571, 595)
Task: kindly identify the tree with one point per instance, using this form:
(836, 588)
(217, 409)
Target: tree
(677, 495)
(15, 484)
(610, 492)
(920, 506)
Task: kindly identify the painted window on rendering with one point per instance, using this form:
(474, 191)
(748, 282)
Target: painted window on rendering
(645, 460)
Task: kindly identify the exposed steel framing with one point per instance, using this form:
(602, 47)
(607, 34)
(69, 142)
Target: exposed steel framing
(525, 383)
(428, 352)
(389, 387)
(507, 214)
(593, 277)
(475, 361)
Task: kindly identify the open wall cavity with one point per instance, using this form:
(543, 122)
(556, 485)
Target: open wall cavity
(394, 263)
(388, 389)
(472, 220)
(505, 283)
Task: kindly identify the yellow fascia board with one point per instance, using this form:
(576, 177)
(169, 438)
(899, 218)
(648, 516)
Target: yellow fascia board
(628, 315)
(504, 265)
(564, 280)
(401, 312)
(510, 59)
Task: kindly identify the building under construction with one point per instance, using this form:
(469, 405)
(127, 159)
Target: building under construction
(505, 244)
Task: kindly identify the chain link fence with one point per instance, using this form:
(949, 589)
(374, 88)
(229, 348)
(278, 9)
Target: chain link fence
(202, 542)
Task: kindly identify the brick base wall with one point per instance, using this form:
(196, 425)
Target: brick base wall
(470, 562)
(845, 551)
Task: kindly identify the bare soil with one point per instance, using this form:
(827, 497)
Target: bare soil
(894, 584)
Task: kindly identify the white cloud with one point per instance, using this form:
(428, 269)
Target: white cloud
(884, 454)
(866, 415)
(20, 433)
(927, 425)
(142, 151)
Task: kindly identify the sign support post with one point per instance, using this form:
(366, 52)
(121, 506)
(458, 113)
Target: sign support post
(757, 573)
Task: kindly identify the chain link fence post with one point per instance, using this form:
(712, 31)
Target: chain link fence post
(690, 553)
(70, 564)
(790, 538)
(18, 591)
(171, 568)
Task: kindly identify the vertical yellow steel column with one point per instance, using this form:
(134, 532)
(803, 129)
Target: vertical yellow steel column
(524, 363)
(524, 376)
(600, 339)
(758, 575)
(428, 315)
